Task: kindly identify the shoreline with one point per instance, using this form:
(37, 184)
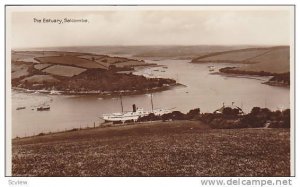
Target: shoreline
(256, 77)
(276, 84)
(246, 76)
(101, 93)
(228, 119)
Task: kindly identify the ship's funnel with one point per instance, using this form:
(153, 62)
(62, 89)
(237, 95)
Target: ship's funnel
(133, 108)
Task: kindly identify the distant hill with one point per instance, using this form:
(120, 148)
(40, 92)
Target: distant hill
(153, 52)
(276, 61)
(271, 59)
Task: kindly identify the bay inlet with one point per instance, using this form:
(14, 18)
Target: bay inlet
(203, 89)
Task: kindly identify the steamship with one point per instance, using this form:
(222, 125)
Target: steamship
(133, 115)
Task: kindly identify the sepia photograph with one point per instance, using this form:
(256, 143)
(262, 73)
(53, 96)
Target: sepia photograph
(150, 91)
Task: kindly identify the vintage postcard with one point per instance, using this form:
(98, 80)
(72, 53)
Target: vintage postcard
(150, 91)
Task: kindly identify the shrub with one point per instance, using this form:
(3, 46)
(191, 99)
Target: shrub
(193, 113)
(175, 115)
(255, 111)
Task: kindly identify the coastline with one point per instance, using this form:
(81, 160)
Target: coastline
(270, 83)
(101, 93)
(274, 79)
(256, 77)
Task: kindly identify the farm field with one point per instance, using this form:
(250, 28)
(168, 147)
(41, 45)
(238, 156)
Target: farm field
(39, 79)
(41, 66)
(66, 71)
(71, 61)
(19, 70)
(233, 56)
(273, 59)
(69, 73)
(178, 148)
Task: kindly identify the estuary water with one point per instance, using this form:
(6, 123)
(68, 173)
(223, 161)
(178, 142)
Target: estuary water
(203, 89)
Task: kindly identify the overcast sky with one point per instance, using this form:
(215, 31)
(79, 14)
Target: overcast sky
(152, 27)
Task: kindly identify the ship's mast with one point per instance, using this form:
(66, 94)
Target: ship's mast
(121, 103)
(151, 102)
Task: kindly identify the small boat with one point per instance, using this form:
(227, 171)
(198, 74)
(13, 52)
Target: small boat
(43, 108)
(148, 73)
(54, 92)
(21, 108)
(211, 68)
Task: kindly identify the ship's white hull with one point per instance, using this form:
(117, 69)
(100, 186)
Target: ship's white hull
(132, 116)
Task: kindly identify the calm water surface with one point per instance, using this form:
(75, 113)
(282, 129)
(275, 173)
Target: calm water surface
(203, 90)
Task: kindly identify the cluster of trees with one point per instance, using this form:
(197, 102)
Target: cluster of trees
(258, 117)
(96, 79)
(230, 118)
(103, 80)
(283, 78)
(263, 117)
(233, 70)
(175, 115)
(277, 79)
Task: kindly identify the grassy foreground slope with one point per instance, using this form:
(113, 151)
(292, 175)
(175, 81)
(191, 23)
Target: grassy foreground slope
(178, 148)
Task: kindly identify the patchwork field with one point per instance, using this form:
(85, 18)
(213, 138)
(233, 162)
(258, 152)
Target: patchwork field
(178, 148)
(272, 59)
(39, 79)
(71, 61)
(66, 71)
(21, 56)
(41, 66)
(275, 61)
(19, 70)
(81, 73)
(92, 57)
(237, 56)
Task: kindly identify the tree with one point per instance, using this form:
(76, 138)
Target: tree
(255, 110)
(227, 111)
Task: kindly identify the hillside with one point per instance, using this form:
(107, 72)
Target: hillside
(152, 52)
(79, 73)
(276, 61)
(272, 59)
(78, 59)
(177, 148)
